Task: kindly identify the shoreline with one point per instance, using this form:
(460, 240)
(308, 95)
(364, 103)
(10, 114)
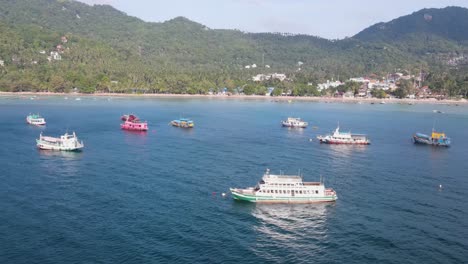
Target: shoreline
(248, 97)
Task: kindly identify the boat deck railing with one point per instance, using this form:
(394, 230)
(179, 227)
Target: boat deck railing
(312, 183)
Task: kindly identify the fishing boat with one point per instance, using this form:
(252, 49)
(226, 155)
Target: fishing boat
(65, 142)
(344, 138)
(285, 189)
(183, 122)
(294, 122)
(133, 123)
(35, 119)
(436, 139)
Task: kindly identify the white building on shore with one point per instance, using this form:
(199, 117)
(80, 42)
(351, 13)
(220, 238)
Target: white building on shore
(328, 84)
(265, 77)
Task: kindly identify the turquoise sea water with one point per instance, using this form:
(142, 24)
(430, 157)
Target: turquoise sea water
(155, 197)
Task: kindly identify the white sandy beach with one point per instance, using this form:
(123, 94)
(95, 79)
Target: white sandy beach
(247, 97)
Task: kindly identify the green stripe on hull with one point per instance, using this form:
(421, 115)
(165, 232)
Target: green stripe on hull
(270, 199)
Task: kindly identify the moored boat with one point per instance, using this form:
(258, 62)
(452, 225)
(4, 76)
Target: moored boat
(294, 122)
(285, 189)
(436, 139)
(35, 119)
(344, 138)
(183, 122)
(65, 142)
(133, 123)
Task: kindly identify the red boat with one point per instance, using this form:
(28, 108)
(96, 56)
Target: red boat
(132, 122)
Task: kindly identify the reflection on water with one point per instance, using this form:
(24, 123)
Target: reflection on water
(295, 227)
(438, 153)
(137, 138)
(186, 131)
(345, 151)
(62, 162)
(295, 130)
(70, 155)
(284, 221)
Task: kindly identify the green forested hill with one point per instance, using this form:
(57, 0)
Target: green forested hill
(108, 50)
(450, 23)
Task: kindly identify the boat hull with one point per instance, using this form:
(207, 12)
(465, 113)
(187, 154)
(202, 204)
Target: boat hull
(181, 125)
(133, 127)
(325, 141)
(294, 126)
(45, 146)
(36, 122)
(278, 199)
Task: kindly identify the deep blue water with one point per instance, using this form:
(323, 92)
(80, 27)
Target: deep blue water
(156, 197)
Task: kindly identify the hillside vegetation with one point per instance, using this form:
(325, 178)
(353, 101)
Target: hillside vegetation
(103, 49)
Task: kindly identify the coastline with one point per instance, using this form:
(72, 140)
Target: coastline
(249, 97)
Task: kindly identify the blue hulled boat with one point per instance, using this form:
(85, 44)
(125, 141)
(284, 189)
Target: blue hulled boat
(436, 139)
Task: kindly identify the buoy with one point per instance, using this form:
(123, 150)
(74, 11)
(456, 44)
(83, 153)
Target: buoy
(223, 194)
(213, 193)
(310, 140)
(440, 186)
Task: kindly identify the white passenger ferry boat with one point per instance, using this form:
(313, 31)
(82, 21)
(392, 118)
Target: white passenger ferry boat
(294, 122)
(285, 189)
(344, 138)
(35, 119)
(65, 142)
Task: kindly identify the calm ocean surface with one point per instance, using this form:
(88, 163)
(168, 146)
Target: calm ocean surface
(156, 197)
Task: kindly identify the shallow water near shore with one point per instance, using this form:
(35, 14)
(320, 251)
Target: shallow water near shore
(155, 197)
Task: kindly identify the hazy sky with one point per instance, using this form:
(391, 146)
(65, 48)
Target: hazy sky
(324, 18)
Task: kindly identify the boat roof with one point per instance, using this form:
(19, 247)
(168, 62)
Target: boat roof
(282, 178)
(422, 135)
(183, 120)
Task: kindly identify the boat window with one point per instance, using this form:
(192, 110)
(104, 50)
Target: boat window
(316, 191)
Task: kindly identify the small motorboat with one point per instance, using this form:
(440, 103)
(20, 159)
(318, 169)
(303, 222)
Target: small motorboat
(294, 122)
(35, 119)
(183, 122)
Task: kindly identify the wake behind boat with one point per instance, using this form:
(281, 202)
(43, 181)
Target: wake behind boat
(344, 138)
(294, 122)
(65, 142)
(35, 119)
(285, 189)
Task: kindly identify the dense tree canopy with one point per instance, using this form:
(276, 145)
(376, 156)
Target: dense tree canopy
(103, 50)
